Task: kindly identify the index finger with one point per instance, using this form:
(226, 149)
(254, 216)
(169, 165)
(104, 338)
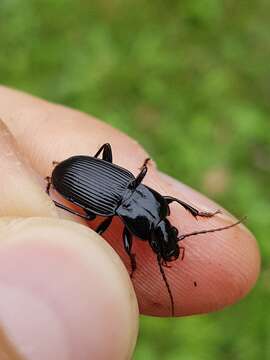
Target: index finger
(218, 269)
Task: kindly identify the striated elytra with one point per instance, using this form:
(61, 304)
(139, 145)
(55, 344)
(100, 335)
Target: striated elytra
(100, 187)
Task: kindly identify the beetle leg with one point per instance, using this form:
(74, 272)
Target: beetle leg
(103, 226)
(139, 178)
(190, 208)
(159, 260)
(145, 163)
(127, 238)
(89, 216)
(106, 151)
(183, 252)
(49, 184)
(165, 264)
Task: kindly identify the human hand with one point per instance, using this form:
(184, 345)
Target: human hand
(64, 292)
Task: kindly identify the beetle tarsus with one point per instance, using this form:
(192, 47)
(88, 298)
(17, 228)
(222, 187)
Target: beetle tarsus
(145, 163)
(136, 182)
(127, 239)
(87, 217)
(195, 212)
(133, 264)
(208, 214)
(49, 184)
(183, 252)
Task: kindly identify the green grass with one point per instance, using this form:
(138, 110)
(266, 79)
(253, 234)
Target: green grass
(186, 77)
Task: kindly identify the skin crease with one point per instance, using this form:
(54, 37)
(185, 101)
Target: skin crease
(225, 265)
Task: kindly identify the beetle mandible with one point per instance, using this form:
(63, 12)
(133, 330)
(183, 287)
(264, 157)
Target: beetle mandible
(100, 187)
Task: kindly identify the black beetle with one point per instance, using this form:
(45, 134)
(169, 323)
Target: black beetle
(100, 187)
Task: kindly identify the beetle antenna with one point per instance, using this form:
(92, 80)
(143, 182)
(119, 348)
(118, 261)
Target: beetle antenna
(166, 282)
(211, 230)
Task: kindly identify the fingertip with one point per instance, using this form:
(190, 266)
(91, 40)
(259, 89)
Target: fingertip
(225, 265)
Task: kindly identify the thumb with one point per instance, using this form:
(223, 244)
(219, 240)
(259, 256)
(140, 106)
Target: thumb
(64, 293)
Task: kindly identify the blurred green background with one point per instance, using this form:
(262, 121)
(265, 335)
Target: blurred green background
(188, 77)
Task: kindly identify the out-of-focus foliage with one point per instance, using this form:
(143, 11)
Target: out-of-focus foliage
(188, 79)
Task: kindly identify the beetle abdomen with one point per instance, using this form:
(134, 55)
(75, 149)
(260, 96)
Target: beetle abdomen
(91, 183)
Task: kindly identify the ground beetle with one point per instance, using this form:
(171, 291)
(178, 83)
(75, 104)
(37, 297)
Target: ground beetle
(100, 187)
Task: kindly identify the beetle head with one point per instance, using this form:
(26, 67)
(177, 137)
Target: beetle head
(164, 241)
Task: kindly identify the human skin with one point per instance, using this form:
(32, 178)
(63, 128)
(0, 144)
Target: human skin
(71, 287)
